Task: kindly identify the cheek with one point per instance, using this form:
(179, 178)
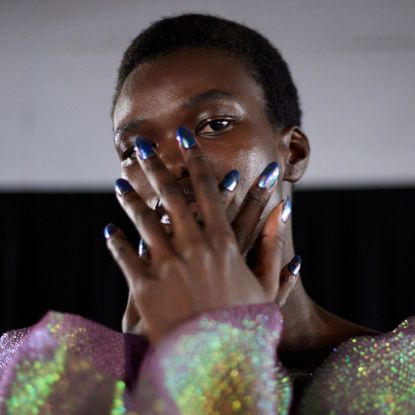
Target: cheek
(250, 160)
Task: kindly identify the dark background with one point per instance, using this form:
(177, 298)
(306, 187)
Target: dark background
(357, 248)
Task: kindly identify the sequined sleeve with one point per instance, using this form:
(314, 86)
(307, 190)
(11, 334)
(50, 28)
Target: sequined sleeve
(65, 364)
(367, 375)
(222, 362)
(9, 345)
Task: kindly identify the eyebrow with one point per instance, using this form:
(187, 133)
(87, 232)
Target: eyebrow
(127, 126)
(209, 95)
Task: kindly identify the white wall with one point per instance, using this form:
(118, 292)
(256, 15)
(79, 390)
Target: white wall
(353, 61)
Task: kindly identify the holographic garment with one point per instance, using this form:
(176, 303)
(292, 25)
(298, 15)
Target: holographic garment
(221, 362)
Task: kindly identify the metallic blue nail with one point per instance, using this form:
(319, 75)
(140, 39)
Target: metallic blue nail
(286, 210)
(142, 248)
(230, 181)
(269, 176)
(144, 148)
(122, 187)
(185, 138)
(295, 265)
(109, 230)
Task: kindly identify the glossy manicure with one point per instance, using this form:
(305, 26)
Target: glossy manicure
(295, 265)
(144, 148)
(230, 181)
(142, 248)
(109, 230)
(122, 187)
(269, 176)
(185, 138)
(286, 210)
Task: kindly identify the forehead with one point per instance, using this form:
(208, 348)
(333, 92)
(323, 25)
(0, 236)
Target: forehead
(166, 82)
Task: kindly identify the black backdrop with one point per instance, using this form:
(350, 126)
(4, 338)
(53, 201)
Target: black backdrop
(357, 248)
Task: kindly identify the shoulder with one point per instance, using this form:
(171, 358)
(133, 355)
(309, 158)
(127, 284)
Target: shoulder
(367, 374)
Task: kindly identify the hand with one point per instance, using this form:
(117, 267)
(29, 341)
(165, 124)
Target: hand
(133, 323)
(198, 268)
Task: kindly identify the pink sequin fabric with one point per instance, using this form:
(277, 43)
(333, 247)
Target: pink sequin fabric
(221, 362)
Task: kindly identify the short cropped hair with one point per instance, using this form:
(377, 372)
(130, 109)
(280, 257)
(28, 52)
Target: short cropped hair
(262, 60)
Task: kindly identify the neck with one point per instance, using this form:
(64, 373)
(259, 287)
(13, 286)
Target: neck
(309, 330)
(302, 322)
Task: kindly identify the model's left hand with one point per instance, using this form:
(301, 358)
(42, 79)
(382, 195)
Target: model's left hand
(198, 268)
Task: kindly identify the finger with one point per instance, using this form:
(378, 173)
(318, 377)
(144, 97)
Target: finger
(227, 187)
(168, 190)
(257, 198)
(124, 254)
(270, 248)
(142, 249)
(203, 180)
(145, 219)
(288, 278)
(140, 328)
(131, 316)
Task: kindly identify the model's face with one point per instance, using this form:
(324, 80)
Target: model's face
(211, 94)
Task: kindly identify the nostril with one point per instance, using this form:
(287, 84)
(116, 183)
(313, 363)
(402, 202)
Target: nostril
(183, 173)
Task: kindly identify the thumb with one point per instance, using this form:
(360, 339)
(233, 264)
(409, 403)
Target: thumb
(131, 316)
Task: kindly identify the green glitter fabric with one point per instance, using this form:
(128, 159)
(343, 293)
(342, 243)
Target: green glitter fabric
(367, 375)
(218, 363)
(221, 363)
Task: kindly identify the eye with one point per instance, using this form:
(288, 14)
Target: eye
(129, 156)
(129, 153)
(214, 126)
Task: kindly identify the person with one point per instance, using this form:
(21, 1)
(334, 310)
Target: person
(207, 125)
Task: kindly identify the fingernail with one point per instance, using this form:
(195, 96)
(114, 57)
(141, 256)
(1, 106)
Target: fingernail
(122, 187)
(142, 248)
(185, 138)
(269, 176)
(230, 181)
(286, 210)
(144, 148)
(295, 265)
(109, 230)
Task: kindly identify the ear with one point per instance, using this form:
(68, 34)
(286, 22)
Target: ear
(297, 153)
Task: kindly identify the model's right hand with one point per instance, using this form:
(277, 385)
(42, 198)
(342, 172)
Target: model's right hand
(198, 268)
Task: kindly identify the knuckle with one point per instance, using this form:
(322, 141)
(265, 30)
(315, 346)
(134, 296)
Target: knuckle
(207, 180)
(119, 250)
(169, 189)
(291, 280)
(191, 251)
(257, 197)
(224, 240)
(170, 266)
(276, 241)
(198, 157)
(153, 165)
(143, 214)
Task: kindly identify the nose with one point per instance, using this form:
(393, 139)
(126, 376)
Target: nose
(169, 152)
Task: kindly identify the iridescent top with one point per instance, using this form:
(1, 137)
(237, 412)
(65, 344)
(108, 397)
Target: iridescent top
(221, 362)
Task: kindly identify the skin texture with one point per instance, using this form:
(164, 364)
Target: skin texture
(233, 132)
